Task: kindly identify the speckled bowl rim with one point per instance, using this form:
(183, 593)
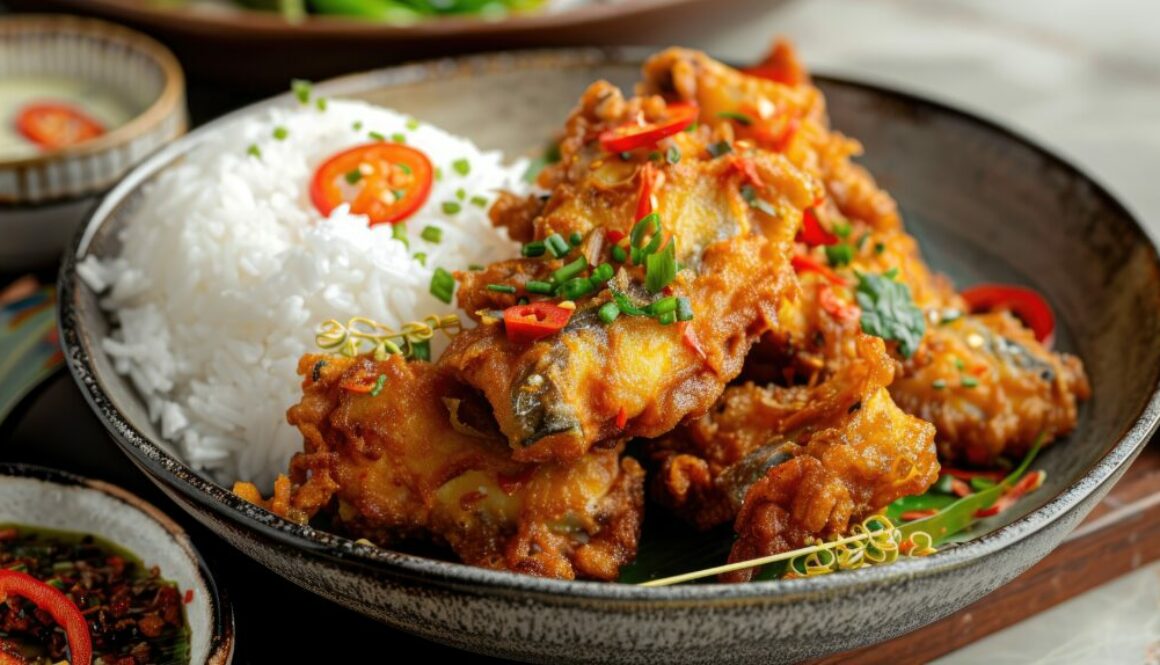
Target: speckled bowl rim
(221, 645)
(167, 103)
(177, 476)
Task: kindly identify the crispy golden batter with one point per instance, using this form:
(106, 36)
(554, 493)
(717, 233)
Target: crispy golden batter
(418, 461)
(593, 382)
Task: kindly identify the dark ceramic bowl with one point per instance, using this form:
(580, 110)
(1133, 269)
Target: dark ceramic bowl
(986, 205)
(39, 497)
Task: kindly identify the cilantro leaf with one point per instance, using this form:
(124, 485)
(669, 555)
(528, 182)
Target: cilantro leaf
(889, 312)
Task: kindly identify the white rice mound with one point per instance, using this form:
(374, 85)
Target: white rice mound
(227, 270)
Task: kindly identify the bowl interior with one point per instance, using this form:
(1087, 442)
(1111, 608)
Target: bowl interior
(47, 500)
(985, 205)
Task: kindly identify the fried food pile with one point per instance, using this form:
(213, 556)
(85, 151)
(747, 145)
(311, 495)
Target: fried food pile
(708, 271)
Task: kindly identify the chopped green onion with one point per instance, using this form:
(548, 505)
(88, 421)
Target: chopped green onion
(879, 247)
(891, 274)
(376, 136)
(432, 234)
(950, 316)
(839, 255)
(378, 385)
(945, 484)
(399, 232)
(533, 249)
(654, 156)
(442, 285)
(421, 257)
(720, 148)
(353, 176)
(739, 117)
(576, 288)
(301, 90)
(660, 269)
(625, 304)
(575, 239)
(684, 309)
(609, 311)
(280, 133)
(461, 194)
(938, 384)
(438, 174)
(451, 207)
(618, 254)
(404, 168)
(626, 155)
(842, 230)
(522, 300)
(253, 150)
(862, 240)
(667, 319)
(536, 286)
(636, 255)
(475, 267)
(673, 155)
(663, 306)
(501, 288)
(570, 270)
(970, 382)
(356, 125)
(320, 103)
(557, 246)
(399, 194)
(412, 124)
(398, 137)
(959, 364)
(650, 223)
(479, 201)
(602, 273)
(421, 350)
(749, 193)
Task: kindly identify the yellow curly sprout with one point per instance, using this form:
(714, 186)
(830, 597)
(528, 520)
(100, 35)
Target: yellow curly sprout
(361, 335)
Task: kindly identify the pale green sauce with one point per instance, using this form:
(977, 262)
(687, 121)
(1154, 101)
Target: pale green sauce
(95, 100)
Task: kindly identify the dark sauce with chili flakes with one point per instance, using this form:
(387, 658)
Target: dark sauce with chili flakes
(135, 616)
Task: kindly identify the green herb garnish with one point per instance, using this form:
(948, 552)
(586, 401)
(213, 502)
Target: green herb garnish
(442, 285)
(432, 234)
(889, 312)
(736, 116)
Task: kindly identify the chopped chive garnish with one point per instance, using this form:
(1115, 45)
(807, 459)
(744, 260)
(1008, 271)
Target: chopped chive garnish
(378, 385)
(842, 230)
(879, 247)
(891, 274)
(421, 257)
(442, 285)
(684, 309)
(479, 201)
(353, 176)
(254, 150)
(608, 312)
(356, 125)
(475, 267)
(320, 103)
(575, 239)
(692, 128)
(404, 168)
(438, 174)
(959, 364)
(570, 270)
(654, 156)
(650, 223)
(668, 318)
(950, 316)
(501, 288)
(281, 133)
(421, 350)
(412, 124)
(432, 234)
(301, 90)
(576, 288)
(399, 137)
(720, 148)
(556, 245)
(399, 194)
(618, 254)
(734, 115)
(862, 240)
(839, 255)
(461, 194)
(938, 384)
(602, 273)
(376, 136)
(533, 249)
(636, 255)
(451, 207)
(536, 286)
(461, 166)
(970, 382)
(399, 232)
(625, 304)
(663, 306)
(673, 155)
(660, 269)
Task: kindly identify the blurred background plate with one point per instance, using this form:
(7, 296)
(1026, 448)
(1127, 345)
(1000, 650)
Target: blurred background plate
(260, 49)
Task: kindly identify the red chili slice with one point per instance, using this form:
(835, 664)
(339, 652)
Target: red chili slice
(1025, 303)
(621, 418)
(1029, 483)
(387, 182)
(527, 323)
(812, 233)
(802, 263)
(53, 125)
(631, 136)
(841, 311)
(62, 609)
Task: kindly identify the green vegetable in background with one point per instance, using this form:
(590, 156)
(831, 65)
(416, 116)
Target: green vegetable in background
(889, 312)
(408, 10)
